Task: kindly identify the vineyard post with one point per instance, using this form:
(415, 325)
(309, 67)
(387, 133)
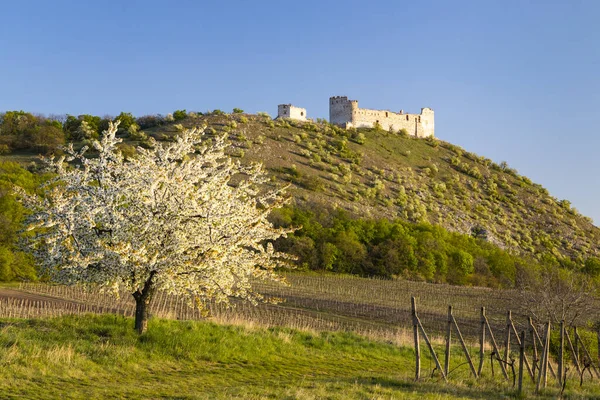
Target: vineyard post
(575, 358)
(448, 339)
(537, 335)
(464, 346)
(495, 346)
(438, 366)
(521, 360)
(545, 357)
(540, 369)
(561, 350)
(507, 339)
(534, 344)
(575, 336)
(587, 354)
(481, 342)
(416, 336)
(517, 336)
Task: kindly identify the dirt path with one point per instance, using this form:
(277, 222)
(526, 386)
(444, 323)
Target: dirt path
(6, 293)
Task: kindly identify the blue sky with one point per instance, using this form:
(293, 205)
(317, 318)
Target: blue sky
(516, 81)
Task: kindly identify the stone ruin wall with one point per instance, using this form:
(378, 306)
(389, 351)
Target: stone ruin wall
(290, 111)
(345, 113)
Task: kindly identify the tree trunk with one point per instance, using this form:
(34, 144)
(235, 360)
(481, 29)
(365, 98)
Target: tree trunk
(142, 305)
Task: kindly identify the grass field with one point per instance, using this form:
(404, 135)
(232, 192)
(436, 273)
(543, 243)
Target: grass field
(333, 337)
(90, 357)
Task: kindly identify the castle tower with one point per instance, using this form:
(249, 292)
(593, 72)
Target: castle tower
(292, 112)
(341, 111)
(427, 122)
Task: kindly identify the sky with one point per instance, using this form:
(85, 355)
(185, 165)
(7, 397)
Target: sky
(515, 81)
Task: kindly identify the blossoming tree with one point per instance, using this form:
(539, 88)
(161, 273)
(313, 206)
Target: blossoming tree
(180, 217)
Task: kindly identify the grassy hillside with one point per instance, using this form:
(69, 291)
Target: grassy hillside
(83, 357)
(374, 173)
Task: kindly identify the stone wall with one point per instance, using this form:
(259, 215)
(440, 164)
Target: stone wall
(345, 113)
(290, 111)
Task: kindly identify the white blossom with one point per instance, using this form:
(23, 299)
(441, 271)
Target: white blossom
(181, 217)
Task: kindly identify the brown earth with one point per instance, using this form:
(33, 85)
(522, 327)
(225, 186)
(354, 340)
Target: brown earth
(6, 293)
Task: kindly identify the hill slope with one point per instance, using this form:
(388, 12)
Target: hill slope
(370, 173)
(374, 173)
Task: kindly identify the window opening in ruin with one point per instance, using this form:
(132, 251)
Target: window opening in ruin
(302, 113)
(407, 117)
(386, 114)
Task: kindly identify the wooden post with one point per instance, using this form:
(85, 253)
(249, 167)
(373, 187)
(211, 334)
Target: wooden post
(575, 336)
(546, 355)
(542, 376)
(507, 339)
(561, 349)
(521, 360)
(575, 358)
(536, 363)
(481, 342)
(541, 342)
(448, 339)
(435, 358)
(464, 346)
(495, 347)
(416, 336)
(514, 331)
(587, 354)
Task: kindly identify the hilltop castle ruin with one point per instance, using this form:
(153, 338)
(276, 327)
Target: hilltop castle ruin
(345, 113)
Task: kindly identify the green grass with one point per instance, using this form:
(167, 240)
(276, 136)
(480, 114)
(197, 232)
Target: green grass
(101, 357)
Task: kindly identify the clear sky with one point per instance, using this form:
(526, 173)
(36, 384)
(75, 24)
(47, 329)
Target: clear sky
(515, 81)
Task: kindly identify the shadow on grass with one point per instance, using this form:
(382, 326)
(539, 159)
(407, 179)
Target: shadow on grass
(438, 387)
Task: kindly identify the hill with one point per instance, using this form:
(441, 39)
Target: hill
(426, 187)
(377, 174)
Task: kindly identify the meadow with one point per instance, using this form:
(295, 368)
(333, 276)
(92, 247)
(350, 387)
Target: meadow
(330, 336)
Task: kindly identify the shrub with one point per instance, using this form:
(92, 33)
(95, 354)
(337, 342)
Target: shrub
(358, 137)
(432, 141)
(238, 111)
(178, 115)
(127, 119)
(150, 121)
(138, 135)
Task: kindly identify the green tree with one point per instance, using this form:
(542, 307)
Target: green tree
(14, 265)
(178, 115)
(461, 266)
(127, 119)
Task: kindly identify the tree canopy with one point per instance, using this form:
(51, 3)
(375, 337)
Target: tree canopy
(180, 217)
